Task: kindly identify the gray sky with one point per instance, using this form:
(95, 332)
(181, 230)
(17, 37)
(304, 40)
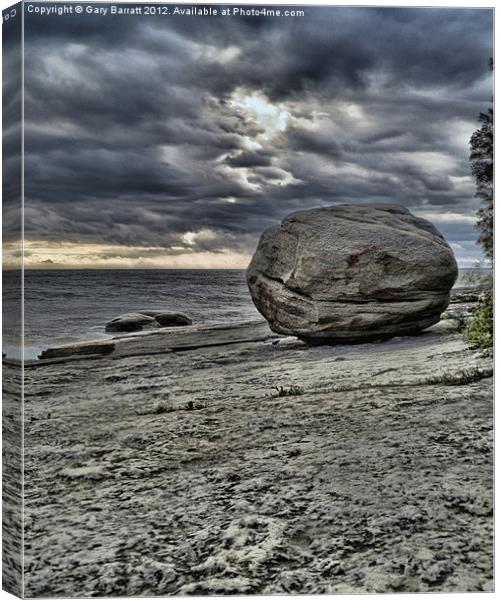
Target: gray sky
(175, 141)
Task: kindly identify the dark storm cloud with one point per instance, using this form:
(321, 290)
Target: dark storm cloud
(249, 160)
(139, 130)
(11, 127)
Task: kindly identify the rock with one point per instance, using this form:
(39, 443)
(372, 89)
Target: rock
(167, 318)
(449, 325)
(92, 348)
(173, 320)
(147, 319)
(131, 322)
(468, 294)
(395, 466)
(352, 273)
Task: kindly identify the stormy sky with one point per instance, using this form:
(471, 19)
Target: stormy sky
(175, 141)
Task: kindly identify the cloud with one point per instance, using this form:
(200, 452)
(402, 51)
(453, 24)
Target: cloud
(147, 132)
(249, 160)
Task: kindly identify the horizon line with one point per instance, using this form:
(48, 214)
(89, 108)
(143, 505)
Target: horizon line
(484, 267)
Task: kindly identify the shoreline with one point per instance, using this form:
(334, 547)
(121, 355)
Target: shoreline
(85, 323)
(462, 295)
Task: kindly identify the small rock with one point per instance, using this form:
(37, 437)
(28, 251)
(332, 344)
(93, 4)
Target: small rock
(173, 320)
(168, 318)
(131, 322)
(468, 294)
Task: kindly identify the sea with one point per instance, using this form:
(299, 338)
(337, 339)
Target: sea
(65, 306)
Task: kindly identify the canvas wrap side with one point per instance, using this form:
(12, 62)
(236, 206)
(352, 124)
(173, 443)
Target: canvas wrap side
(12, 275)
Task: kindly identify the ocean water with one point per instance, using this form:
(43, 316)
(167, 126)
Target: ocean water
(73, 305)
(68, 306)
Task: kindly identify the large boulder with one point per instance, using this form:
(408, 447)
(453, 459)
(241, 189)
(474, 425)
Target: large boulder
(352, 273)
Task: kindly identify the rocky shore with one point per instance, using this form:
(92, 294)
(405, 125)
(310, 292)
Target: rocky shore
(232, 460)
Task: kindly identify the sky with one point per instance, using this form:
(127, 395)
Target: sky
(174, 142)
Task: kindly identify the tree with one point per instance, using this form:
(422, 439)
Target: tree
(479, 330)
(481, 157)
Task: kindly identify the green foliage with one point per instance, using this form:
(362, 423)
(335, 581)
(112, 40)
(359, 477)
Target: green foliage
(481, 157)
(479, 330)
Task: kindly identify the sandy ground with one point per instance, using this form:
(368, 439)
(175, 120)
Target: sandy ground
(260, 466)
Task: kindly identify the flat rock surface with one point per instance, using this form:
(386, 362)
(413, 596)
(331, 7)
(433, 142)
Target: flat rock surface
(260, 466)
(166, 340)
